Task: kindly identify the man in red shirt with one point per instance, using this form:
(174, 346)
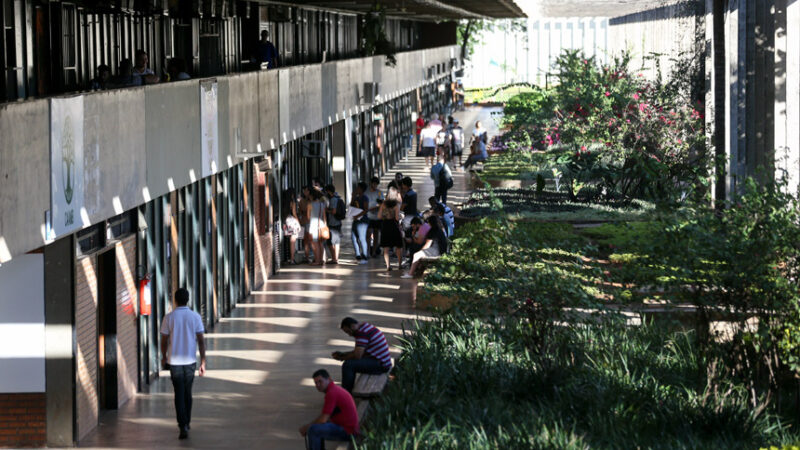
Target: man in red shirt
(420, 125)
(339, 418)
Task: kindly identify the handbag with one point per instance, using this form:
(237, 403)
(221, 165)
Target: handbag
(324, 231)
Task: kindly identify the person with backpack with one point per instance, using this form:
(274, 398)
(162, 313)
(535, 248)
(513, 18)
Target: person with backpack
(446, 214)
(442, 179)
(443, 143)
(336, 213)
(436, 244)
(456, 141)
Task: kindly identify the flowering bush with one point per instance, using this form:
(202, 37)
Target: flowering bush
(608, 128)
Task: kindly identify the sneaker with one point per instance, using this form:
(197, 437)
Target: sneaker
(363, 261)
(407, 275)
(184, 432)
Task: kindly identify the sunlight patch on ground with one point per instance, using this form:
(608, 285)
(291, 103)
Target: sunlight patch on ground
(375, 298)
(297, 293)
(327, 362)
(372, 312)
(244, 376)
(302, 307)
(384, 286)
(334, 283)
(262, 356)
(276, 338)
(294, 322)
(316, 271)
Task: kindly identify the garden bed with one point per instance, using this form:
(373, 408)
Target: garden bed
(548, 206)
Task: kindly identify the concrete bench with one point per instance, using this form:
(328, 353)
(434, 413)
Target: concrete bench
(369, 386)
(423, 264)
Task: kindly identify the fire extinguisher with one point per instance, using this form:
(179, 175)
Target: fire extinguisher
(144, 296)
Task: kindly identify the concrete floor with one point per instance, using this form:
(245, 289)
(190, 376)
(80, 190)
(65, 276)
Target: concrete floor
(257, 391)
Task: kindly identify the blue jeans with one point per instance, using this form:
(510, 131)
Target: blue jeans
(319, 432)
(366, 365)
(359, 235)
(182, 378)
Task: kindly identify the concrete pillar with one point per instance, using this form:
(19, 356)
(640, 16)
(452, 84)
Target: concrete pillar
(338, 150)
(59, 259)
(788, 47)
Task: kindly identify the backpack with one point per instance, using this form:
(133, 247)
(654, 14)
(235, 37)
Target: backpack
(444, 181)
(441, 137)
(340, 211)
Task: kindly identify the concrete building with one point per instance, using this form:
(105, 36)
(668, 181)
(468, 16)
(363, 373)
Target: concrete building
(111, 199)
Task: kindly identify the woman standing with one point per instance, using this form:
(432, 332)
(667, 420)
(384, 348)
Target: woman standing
(305, 200)
(291, 227)
(391, 237)
(316, 220)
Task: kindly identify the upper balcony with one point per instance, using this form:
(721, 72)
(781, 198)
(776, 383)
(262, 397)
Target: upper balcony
(136, 144)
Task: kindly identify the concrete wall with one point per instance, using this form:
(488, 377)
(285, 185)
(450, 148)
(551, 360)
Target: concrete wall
(24, 176)
(667, 31)
(141, 143)
(22, 323)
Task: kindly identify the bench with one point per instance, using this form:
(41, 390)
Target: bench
(423, 264)
(369, 386)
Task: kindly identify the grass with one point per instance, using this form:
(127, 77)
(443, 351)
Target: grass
(527, 204)
(495, 94)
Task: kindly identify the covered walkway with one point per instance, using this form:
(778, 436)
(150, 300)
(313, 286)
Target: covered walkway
(258, 391)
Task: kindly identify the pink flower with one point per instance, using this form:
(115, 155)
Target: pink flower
(583, 148)
(636, 96)
(608, 94)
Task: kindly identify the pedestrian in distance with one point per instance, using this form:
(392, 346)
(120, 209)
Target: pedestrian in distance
(181, 337)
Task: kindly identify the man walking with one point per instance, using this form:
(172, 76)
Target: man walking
(336, 213)
(181, 336)
(442, 179)
(370, 355)
(339, 418)
(360, 224)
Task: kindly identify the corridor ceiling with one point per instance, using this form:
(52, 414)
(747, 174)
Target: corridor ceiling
(432, 9)
(495, 9)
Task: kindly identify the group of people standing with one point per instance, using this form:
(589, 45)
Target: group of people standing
(440, 143)
(316, 218)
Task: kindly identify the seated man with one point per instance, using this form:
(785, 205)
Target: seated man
(415, 236)
(339, 418)
(370, 356)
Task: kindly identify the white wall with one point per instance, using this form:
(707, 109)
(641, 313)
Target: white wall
(506, 57)
(22, 324)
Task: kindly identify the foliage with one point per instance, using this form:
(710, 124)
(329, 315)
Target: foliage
(609, 129)
(375, 41)
(529, 203)
(499, 94)
(468, 381)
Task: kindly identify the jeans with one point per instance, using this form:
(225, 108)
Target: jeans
(182, 379)
(364, 365)
(319, 432)
(440, 192)
(359, 235)
(474, 159)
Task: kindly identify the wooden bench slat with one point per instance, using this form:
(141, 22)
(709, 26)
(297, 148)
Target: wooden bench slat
(370, 385)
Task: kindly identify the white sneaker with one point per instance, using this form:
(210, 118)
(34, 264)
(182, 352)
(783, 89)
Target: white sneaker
(407, 275)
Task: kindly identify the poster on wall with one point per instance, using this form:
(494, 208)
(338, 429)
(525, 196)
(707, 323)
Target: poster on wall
(209, 127)
(66, 164)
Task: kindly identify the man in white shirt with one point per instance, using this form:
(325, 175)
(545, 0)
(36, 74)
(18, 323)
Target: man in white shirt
(427, 142)
(142, 74)
(375, 197)
(181, 336)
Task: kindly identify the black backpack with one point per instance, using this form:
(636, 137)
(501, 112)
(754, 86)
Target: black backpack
(340, 211)
(447, 183)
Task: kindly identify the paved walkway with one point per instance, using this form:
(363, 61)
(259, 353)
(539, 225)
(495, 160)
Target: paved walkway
(258, 391)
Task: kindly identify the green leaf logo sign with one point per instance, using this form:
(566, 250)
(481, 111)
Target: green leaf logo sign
(67, 160)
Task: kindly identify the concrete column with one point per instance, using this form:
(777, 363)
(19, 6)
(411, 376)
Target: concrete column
(790, 43)
(59, 317)
(338, 149)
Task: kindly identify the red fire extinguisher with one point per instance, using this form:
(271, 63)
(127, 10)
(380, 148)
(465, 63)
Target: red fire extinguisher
(144, 296)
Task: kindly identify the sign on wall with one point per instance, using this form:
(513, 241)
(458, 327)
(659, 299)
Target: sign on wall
(66, 164)
(209, 127)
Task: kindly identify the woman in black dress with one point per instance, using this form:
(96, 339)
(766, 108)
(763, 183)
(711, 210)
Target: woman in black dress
(391, 237)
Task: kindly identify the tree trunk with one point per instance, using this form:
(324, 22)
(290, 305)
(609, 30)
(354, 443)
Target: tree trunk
(465, 39)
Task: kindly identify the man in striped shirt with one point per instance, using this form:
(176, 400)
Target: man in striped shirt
(370, 355)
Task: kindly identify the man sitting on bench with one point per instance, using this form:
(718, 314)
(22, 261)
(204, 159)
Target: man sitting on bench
(370, 356)
(339, 418)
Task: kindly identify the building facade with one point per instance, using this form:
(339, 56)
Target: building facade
(111, 199)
